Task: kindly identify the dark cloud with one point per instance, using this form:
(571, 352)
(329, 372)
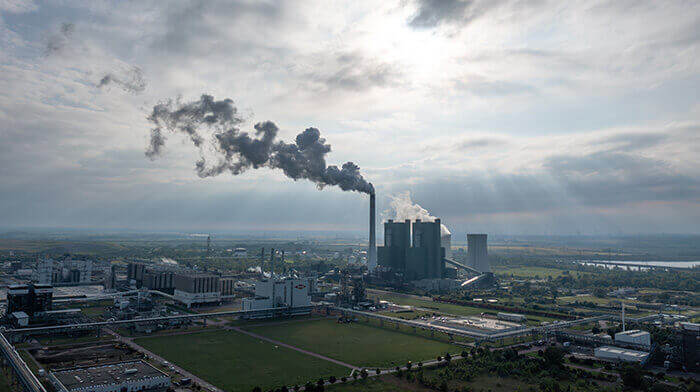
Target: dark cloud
(481, 142)
(353, 72)
(238, 151)
(58, 41)
(130, 80)
(433, 13)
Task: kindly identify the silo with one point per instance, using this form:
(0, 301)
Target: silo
(477, 253)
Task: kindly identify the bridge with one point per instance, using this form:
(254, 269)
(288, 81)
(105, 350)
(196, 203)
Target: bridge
(268, 312)
(26, 377)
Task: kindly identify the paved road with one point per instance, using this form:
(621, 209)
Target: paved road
(278, 343)
(129, 342)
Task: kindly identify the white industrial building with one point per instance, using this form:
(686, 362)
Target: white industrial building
(281, 293)
(119, 377)
(620, 354)
(240, 253)
(634, 336)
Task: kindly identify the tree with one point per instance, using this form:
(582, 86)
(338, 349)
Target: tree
(320, 382)
(364, 374)
(448, 357)
(332, 379)
(554, 356)
(257, 389)
(631, 376)
(378, 371)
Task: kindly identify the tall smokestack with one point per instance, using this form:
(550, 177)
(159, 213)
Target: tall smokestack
(372, 251)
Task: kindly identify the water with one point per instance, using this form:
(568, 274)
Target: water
(674, 264)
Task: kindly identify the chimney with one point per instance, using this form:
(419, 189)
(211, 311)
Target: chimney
(372, 251)
(272, 263)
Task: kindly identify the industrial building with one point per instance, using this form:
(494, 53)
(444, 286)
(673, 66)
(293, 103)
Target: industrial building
(690, 346)
(161, 279)
(240, 253)
(30, 299)
(477, 252)
(620, 354)
(197, 289)
(120, 377)
(49, 271)
(414, 250)
(291, 293)
(517, 318)
(635, 337)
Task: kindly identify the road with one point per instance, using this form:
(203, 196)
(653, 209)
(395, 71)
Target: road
(130, 342)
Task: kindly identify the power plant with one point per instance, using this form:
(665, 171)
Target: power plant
(415, 254)
(477, 253)
(372, 251)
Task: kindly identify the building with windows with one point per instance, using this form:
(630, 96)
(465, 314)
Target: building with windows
(197, 289)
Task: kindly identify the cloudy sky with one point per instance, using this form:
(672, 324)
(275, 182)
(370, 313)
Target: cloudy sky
(498, 116)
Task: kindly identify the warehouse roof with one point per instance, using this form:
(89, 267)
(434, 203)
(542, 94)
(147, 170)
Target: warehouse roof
(118, 373)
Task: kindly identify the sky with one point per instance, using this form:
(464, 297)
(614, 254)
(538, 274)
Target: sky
(512, 117)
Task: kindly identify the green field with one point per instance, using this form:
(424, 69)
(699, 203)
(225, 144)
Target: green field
(357, 344)
(531, 271)
(236, 362)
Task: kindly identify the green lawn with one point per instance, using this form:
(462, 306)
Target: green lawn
(436, 306)
(356, 343)
(236, 362)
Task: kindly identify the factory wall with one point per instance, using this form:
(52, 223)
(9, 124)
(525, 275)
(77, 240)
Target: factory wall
(291, 293)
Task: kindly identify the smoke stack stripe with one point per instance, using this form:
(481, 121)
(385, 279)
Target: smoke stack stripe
(372, 251)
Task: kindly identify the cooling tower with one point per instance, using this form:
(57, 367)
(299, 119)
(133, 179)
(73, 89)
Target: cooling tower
(372, 251)
(446, 242)
(477, 253)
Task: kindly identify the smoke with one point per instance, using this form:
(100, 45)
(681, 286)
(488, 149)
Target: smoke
(130, 80)
(58, 41)
(237, 151)
(401, 207)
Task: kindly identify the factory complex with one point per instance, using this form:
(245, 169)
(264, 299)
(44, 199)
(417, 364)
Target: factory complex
(119, 377)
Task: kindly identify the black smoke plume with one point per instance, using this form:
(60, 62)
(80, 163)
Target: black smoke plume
(238, 151)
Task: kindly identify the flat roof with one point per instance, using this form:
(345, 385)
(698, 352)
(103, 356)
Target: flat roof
(618, 350)
(633, 332)
(117, 373)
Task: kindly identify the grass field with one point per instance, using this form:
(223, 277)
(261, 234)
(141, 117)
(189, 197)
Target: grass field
(437, 306)
(530, 272)
(236, 362)
(5, 377)
(357, 344)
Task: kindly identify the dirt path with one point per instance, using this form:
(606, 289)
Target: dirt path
(129, 342)
(278, 343)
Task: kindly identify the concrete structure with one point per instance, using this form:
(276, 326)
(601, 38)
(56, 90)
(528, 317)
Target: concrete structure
(634, 336)
(280, 293)
(227, 287)
(240, 253)
(197, 289)
(477, 252)
(120, 377)
(372, 251)
(620, 354)
(446, 241)
(690, 345)
(414, 251)
(518, 318)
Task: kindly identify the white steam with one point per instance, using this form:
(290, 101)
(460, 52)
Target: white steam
(401, 207)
